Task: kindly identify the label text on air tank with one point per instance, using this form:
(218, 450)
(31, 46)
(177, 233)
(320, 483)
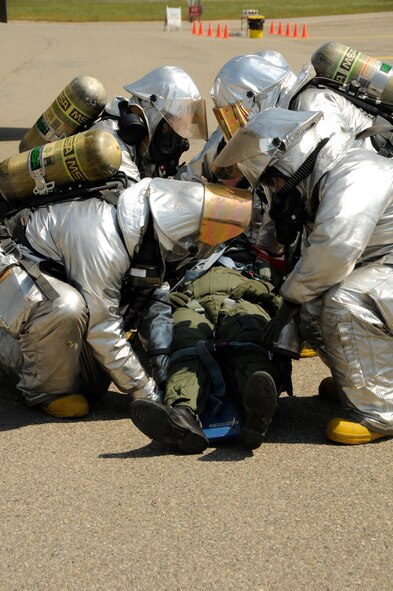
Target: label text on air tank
(63, 102)
(346, 65)
(78, 116)
(71, 161)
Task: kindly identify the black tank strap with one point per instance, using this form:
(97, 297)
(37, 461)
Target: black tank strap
(12, 233)
(34, 271)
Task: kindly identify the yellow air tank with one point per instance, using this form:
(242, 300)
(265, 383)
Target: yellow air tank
(344, 64)
(87, 156)
(79, 104)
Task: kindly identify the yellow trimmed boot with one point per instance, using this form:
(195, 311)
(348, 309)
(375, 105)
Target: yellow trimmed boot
(308, 351)
(343, 431)
(67, 407)
(328, 390)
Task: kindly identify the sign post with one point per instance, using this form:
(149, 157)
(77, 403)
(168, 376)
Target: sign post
(194, 10)
(3, 11)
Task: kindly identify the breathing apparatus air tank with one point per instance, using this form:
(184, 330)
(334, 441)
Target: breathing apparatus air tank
(79, 104)
(373, 77)
(92, 155)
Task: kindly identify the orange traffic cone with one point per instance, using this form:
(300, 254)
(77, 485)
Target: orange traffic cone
(226, 32)
(195, 28)
(304, 34)
(295, 31)
(288, 30)
(219, 34)
(279, 28)
(201, 29)
(210, 30)
(272, 31)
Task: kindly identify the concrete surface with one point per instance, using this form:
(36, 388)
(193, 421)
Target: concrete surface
(93, 504)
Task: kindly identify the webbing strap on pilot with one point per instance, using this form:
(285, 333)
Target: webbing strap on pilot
(204, 350)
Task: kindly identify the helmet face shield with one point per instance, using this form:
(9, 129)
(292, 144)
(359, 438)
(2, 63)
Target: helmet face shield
(264, 140)
(245, 153)
(226, 213)
(252, 167)
(229, 173)
(230, 118)
(186, 116)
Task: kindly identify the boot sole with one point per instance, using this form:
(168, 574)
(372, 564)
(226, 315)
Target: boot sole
(260, 403)
(155, 422)
(348, 439)
(70, 406)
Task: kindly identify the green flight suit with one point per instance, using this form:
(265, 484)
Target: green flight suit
(221, 305)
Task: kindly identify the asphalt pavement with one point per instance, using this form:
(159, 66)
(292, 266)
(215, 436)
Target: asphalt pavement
(92, 504)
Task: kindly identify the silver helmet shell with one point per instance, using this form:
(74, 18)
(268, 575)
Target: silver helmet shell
(250, 79)
(188, 217)
(169, 92)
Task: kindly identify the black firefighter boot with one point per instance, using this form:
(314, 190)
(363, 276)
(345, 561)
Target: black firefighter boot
(259, 404)
(171, 425)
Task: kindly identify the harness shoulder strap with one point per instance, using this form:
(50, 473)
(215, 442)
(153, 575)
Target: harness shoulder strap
(34, 271)
(374, 130)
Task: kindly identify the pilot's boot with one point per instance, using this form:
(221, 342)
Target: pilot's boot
(328, 390)
(172, 425)
(67, 407)
(259, 403)
(342, 431)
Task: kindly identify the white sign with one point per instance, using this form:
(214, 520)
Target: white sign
(173, 19)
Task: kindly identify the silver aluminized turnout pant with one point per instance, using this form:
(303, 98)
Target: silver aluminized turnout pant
(356, 328)
(49, 334)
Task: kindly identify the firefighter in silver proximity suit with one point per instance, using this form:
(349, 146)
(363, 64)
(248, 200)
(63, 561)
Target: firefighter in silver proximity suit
(242, 83)
(98, 263)
(340, 114)
(154, 126)
(343, 281)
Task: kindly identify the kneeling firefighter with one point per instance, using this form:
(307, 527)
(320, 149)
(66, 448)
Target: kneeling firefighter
(73, 270)
(155, 124)
(243, 84)
(341, 286)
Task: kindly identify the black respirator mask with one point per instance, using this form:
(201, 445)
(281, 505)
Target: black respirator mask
(287, 210)
(286, 207)
(166, 149)
(132, 128)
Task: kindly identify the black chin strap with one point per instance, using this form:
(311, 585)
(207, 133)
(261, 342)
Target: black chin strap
(303, 171)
